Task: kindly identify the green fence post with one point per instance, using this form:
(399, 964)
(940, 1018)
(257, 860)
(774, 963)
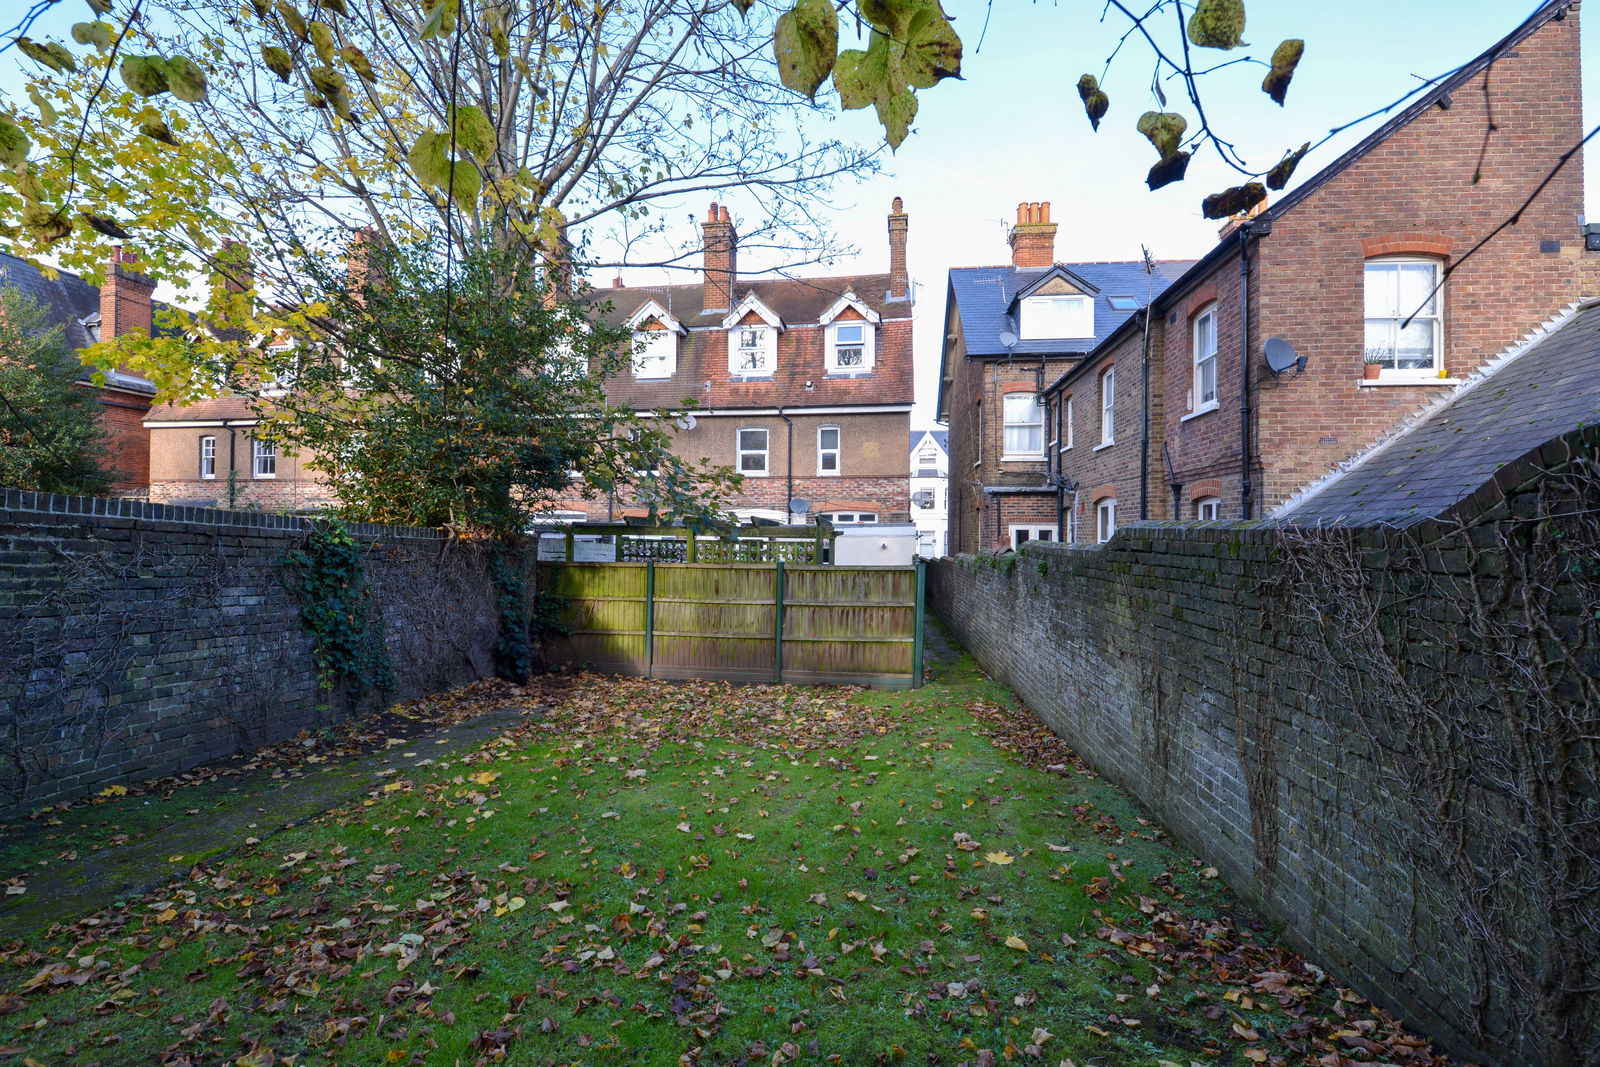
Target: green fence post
(649, 618)
(618, 536)
(916, 643)
(691, 550)
(570, 539)
(777, 625)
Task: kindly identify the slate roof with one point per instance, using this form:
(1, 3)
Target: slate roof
(940, 437)
(702, 377)
(66, 299)
(1539, 392)
(983, 297)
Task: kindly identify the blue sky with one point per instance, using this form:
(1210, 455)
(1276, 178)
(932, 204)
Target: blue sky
(1014, 130)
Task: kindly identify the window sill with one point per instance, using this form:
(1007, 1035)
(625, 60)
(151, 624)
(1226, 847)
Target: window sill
(1025, 457)
(1412, 382)
(1208, 409)
(829, 474)
(652, 377)
(847, 374)
(1104, 445)
(752, 377)
(755, 474)
(263, 477)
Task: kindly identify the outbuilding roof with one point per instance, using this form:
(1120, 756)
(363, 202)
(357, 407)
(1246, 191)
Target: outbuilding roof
(1546, 388)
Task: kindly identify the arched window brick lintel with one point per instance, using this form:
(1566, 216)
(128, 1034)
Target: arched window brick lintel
(1100, 493)
(1409, 243)
(1201, 489)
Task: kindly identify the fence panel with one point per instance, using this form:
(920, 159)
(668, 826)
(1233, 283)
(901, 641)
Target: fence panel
(743, 622)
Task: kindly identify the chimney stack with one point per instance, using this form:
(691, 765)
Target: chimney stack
(1033, 240)
(234, 269)
(899, 279)
(722, 260)
(616, 283)
(1235, 221)
(125, 297)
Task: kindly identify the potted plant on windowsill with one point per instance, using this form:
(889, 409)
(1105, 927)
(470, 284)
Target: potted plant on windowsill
(1372, 364)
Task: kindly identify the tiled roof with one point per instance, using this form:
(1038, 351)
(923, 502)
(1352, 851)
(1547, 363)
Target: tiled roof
(1548, 387)
(210, 409)
(983, 298)
(702, 380)
(940, 438)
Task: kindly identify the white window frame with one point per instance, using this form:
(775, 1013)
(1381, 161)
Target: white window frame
(1007, 423)
(208, 458)
(1108, 407)
(1105, 519)
(655, 360)
(850, 518)
(823, 451)
(263, 458)
(766, 345)
(1066, 432)
(1389, 371)
(1204, 367)
(867, 346)
(765, 451)
(1036, 531)
(1207, 508)
(1056, 316)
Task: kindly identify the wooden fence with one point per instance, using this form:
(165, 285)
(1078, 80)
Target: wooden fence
(742, 622)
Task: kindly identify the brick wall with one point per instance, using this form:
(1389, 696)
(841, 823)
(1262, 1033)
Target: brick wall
(138, 640)
(1357, 778)
(1091, 468)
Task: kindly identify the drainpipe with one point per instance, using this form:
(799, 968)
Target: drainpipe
(1172, 480)
(1245, 494)
(789, 488)
(1144, 422)
(233, 470)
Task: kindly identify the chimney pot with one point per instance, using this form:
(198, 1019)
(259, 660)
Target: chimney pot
(724, 216)
(713, 216)
(898, 207)
(616, 283)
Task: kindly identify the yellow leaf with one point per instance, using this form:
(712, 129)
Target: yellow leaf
(1017, 943)
(1001, 858)
(484, 777)
(515, 903)
(1256, 1055)
(392, 786)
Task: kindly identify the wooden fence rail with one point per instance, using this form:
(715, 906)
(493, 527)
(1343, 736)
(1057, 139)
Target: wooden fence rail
(778, 622)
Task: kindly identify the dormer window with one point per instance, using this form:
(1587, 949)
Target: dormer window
(850, 348)
(91, 327)
(1053, 317)
(655, 353)
(753, 353)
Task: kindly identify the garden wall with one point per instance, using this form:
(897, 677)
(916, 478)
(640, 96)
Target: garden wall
(138, 640)
(1386, 739)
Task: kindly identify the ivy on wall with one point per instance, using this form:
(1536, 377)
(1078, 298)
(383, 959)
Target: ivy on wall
(328, 573)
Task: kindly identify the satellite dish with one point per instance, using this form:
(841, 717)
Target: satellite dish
(1008, 339)
(687, 422)
(1281, 356)
(799, 505)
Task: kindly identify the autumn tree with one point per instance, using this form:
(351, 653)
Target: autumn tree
(456, 393)
(50, 435)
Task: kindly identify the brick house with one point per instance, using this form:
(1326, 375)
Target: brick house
(206, 454)
(1010, 330)
(1365, 262)
(123, 304)
(803, 385)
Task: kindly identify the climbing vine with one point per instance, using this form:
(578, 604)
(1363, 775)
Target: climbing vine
(513, 652)
(329, 575)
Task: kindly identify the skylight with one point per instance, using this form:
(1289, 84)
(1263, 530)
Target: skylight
(1123, 303)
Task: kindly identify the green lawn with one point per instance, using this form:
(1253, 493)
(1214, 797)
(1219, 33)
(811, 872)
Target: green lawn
(657, 873)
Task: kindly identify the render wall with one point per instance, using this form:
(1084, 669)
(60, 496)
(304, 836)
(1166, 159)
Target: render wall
(138, 640)
(1384, 740)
